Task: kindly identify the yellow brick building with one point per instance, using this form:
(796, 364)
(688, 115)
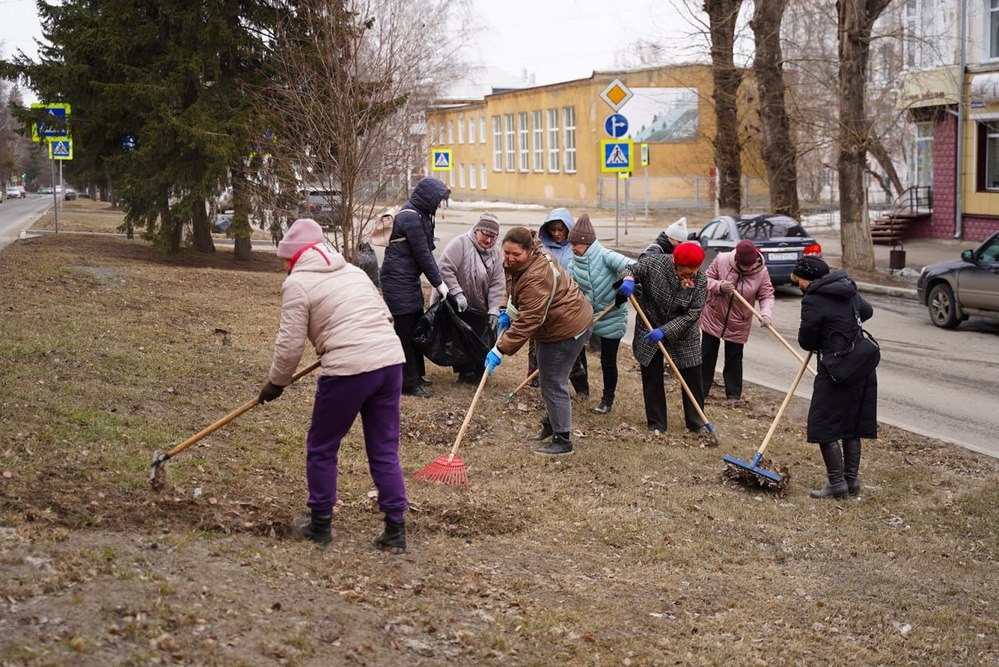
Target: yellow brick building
(543, 144)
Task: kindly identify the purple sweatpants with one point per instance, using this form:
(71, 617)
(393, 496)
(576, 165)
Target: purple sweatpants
(375, 396)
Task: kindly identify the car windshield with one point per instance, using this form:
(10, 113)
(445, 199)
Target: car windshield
(772, 227)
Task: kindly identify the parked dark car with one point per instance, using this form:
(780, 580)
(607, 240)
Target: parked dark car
(781, 239)
(70, 195)
(954, 290)
(323, 206)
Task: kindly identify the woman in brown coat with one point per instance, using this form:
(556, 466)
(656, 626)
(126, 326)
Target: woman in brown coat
(544, 304)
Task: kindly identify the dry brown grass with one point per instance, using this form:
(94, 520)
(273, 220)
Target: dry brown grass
(632, 551)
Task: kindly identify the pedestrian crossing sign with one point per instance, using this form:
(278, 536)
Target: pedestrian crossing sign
(61, 149)
(440, 159)
(617, 155)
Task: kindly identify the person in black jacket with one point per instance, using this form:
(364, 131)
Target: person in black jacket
(408, 256)
(831, 312)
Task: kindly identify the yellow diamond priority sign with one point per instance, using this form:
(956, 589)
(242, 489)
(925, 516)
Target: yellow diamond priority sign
(616, 94)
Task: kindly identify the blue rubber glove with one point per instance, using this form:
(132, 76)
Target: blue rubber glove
(493, 359)
(655, 336)
(504, 322)
(627, 287)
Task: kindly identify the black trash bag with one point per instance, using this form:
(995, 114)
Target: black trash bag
(366, 260)
(449, 338)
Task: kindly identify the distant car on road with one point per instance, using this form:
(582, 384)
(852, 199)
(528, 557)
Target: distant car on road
(13, 192)
(321, 205)
(955, 289)
(781, 239)
(70, 194)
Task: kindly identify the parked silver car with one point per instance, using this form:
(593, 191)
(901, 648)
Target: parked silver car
(954, 290)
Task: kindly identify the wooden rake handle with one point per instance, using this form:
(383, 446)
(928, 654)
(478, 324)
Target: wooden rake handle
(533, 375)
(468, 416)
(669, 360)
(208, 430)
(783, 406)
(774, 331)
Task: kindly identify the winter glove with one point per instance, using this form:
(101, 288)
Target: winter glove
(655, 336)
(269, 392)
(627, 287)
(460, 302)
(493, 322)
(619, 297)
(766, 322)
(726, 287)
(442, 290)
(503, 321)
(493, 359)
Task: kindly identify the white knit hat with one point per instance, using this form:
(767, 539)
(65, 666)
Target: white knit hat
(678, 230)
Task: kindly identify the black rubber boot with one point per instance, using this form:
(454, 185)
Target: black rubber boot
(559, 445)
(604, 407)
(546, 430)
(318, 529)
(393, 539)
(832, 455)
(851, 465)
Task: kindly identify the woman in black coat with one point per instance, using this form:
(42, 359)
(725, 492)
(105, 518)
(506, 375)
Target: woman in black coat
(408, 256)
(831, 306)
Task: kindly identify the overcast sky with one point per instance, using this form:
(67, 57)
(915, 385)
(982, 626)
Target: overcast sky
(555, 40)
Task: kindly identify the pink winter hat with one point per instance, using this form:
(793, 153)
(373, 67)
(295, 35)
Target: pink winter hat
(302, 233)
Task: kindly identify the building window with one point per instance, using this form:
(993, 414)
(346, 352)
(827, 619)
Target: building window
(483, 174)
(450, 133)
(497, 144)
(988, 155)
(461, 130)
(450, 179)
(539, 141)
(523, 136)
(511, 143)
(922, 161)
(993, 23)
(440, 134)
(471, 172)
(471, 130)
(461, 175)
(482, 129)
(553, 140)
(569, 121)
(925, 36)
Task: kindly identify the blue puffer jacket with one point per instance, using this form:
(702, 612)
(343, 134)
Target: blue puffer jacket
(595, 272)
(560, 251)
(406, 260)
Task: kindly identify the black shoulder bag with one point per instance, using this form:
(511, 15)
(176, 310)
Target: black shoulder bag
(855, 362)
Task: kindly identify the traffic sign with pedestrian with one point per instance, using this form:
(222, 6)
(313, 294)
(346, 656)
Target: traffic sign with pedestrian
(616, 125)
(617, 155)
(61, 149)
(56, 122)
(441, 159)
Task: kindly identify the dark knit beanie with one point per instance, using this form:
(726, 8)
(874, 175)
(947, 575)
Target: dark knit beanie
(746, 252)
(487, 223)
(583, 232)
(688, 253)
(810, 268)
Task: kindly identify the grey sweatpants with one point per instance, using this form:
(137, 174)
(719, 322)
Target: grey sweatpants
(555, 361)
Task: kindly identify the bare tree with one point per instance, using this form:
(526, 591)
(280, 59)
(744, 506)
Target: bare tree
(350, 82)
(778, 148)
(723, 18)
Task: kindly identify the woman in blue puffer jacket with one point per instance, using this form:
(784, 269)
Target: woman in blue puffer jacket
(595, 269)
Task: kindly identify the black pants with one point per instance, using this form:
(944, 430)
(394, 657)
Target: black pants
(608, 364)
(415, 367)
(732, 372)
(654, 394)
(579, 375)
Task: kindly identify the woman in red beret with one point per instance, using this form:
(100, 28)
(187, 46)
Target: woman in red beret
(672, 296)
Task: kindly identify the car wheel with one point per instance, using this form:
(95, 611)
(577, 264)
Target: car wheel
(942, 306)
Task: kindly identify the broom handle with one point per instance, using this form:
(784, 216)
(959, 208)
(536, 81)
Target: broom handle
(208, 430)
(468, 416)
(783, 406)
(538, 370)
(773, 330)
(669, 359)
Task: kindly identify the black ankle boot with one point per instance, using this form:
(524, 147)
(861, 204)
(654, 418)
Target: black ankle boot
(851, 465)
(318, 529)
(393, 539)
(546, 430)
(604, 407)
(559, 445)
(832, 456)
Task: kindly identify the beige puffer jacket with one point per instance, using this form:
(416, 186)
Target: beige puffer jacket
(335, 306)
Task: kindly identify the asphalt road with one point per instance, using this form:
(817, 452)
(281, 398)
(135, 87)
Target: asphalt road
(19, 214)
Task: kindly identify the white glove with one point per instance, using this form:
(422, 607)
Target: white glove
(461, 302)
(726, 287)
(442, 290)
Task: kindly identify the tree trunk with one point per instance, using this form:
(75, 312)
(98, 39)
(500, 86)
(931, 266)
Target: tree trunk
(240, 228)
(779, 154)
(877, 148)
(722, 16)
(856, 18)
(202, 231)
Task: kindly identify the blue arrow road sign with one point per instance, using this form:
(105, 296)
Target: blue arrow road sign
(616, 125)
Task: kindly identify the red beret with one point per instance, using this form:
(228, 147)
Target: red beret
(688, 253)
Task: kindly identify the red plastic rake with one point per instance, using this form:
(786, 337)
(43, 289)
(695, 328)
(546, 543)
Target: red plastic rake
(449, 468)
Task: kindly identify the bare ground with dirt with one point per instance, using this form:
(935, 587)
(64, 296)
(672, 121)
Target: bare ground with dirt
(635, 550)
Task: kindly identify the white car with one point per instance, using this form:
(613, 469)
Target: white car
(14, 192)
